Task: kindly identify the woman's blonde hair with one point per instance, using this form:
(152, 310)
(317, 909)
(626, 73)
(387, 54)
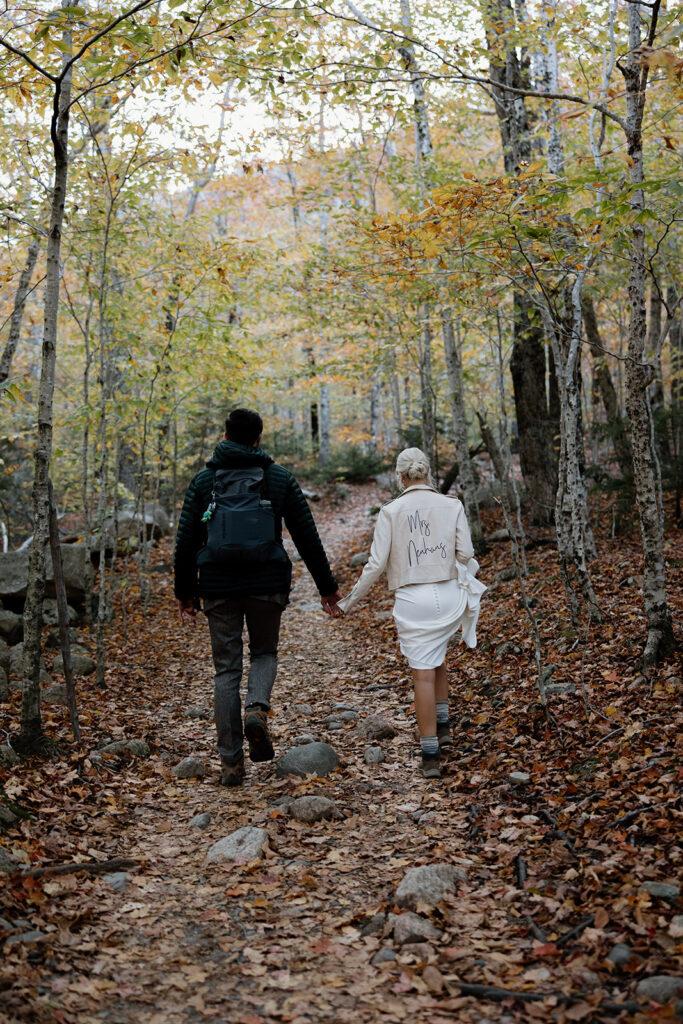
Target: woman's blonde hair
(412, 465)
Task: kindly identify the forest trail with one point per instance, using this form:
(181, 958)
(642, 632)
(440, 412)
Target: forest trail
(291, 937)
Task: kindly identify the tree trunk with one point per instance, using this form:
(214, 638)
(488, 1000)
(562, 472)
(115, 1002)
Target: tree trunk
(374, 416)
(527, 364)
(63, 614)
(534, 424)
(31, 731)
(18, 312)
(615, 424)
(426, 393)
(574, 536)
(660, 638)
(324, 445)
(676, 348)
(467, 476)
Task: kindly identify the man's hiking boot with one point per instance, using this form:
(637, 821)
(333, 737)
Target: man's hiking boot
(431, 767)
(233, 774)
(256, 731)
(443, 734)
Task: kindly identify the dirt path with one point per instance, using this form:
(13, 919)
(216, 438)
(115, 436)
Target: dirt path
(290, 938)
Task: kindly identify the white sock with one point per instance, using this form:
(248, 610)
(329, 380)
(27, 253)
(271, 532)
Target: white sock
(442, 712)
(429, 746)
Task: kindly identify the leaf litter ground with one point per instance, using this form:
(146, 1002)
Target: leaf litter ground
(556, 869)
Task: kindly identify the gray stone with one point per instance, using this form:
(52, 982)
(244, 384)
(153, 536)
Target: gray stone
(348, 715)
(54, 639)
(428, 884)
(16, 662)
(374, 755)
(374, 924)
(7, 862)
(313, 808)
(301, 709)
(196, 713)
(7, 817)
(519, 778)
(30, 936)
(560, 688)
(620, 954)
(499, 535)
(200, 820)
(241, 847)
(505, 575)
(334, 726)
(344, 707)
(11, 626)
(77, 572)
(6, 925)
(660, 988)
(115, 747)
(55, 694)
(8, 756)
(138, 748)
(51, 612)
(411, 928)
(305, 737)
(4, 686)
(189, 768)
(82, 663)
(361, 558)
(117, 880)
(663, 890)
(154, 523)
(376, 727)
(4, 655)
(309, 759)
(384, 955)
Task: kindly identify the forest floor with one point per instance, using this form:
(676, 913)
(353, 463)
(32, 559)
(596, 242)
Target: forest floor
(557, 869)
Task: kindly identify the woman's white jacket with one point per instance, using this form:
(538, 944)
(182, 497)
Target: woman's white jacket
(420, 537)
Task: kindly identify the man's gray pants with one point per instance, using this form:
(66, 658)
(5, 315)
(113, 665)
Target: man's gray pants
(226, 621)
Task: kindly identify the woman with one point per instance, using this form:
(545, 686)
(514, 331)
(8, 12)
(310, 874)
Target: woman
(422, 542)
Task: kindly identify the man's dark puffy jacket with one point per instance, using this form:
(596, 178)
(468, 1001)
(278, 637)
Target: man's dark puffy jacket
(289, 504)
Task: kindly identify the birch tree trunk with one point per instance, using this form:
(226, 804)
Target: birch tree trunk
(374, 416)
(469, 482)
(18, 311)
(676, 348)
(324, 423)
(535, 427)
(31, 730)
(426, 393)
(615, 422)
(660, 637)
(574, 535)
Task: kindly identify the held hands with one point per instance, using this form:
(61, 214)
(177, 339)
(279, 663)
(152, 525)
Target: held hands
(331, 606)
(187, 608)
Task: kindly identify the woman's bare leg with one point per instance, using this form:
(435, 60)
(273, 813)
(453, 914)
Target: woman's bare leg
(425, 700)
(441, 682)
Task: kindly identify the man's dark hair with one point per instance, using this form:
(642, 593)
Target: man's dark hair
(244, 426)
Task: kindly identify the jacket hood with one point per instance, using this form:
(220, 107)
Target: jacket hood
(228, 454)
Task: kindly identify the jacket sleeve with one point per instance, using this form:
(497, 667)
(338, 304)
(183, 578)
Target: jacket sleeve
(301, 525)
(463, 541)
(189, 539)
(376, 564)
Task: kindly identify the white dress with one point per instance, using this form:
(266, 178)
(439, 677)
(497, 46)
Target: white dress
(428, 614)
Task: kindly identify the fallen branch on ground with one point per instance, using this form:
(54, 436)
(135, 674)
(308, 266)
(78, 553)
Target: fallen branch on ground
(94, 867)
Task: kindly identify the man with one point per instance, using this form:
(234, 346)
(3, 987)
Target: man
(251, 584)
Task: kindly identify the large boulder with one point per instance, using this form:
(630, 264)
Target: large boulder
(14, 574)
(314, 808)
(428, 885)
(4, 656)
(153, 520)
(11, 626)
(309, 759)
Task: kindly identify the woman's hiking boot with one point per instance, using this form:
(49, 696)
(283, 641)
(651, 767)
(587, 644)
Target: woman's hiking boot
(256, 731)
(431, 766)
(233, 774)
(443, 734)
